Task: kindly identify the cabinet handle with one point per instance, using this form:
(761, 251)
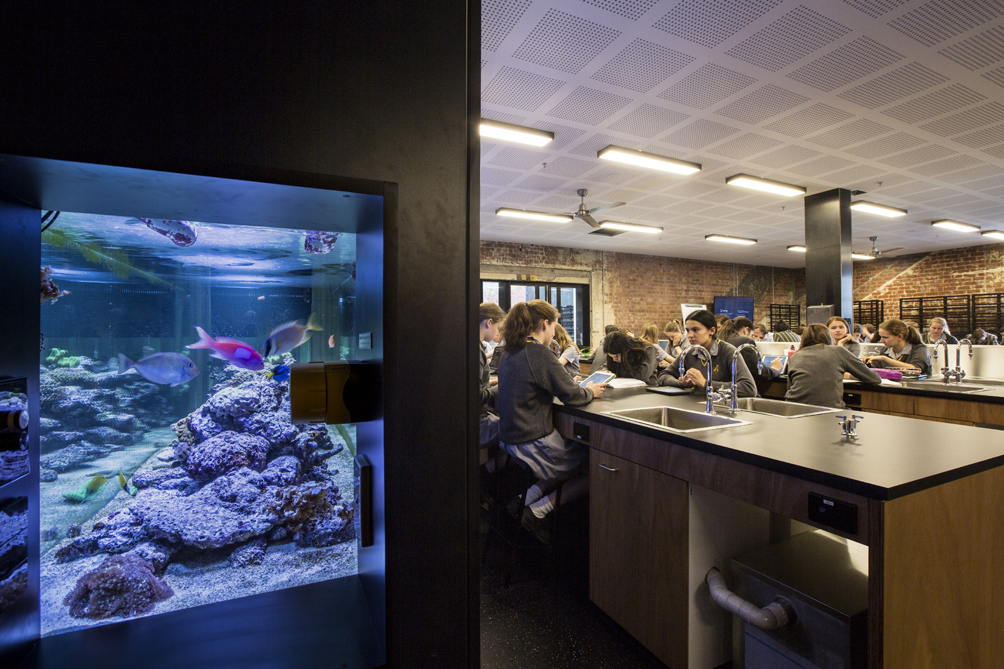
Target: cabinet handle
(607, 468)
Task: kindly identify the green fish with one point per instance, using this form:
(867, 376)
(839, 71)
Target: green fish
(90, 489)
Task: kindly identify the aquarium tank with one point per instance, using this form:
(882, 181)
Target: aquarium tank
(170, 474)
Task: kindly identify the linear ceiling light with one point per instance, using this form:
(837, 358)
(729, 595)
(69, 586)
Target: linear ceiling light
(797, 248)
(533, 215)
(730, 240)
(878, 209)
(515, 133)
(650, 160)
(631, 227)
(862, 256)
(766, 185)
(993, 234)
(956, 226)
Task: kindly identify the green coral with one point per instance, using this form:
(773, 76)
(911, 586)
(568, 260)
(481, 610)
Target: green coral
(58, 358)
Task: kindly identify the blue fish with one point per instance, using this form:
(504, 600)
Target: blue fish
(280, 373)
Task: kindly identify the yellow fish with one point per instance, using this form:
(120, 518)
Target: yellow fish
(124, 484)
(90, 489)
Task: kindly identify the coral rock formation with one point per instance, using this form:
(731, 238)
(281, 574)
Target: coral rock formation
(122, 585)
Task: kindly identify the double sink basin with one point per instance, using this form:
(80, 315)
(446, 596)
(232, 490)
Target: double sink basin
(685, 421)
(967, 385)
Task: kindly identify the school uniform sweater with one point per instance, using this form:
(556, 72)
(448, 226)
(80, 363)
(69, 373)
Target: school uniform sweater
(647, 369)
(721, 369)
(488, 392)
(816, 373)
(919, 356)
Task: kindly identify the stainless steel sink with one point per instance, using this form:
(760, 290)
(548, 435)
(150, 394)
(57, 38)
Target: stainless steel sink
(938, 385)
(781, 408)
(679, 421)
(972, 382)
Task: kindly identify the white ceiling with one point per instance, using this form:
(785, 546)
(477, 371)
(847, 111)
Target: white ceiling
(903, 99)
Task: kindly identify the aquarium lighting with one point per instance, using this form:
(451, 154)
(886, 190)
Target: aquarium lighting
(631, 227)
(514, 133)
(765, 185)
(993, 234)
(730, 240)
(797, 248)
(956, 226)
(641, 159)
(878, 209)
(533, 215)
(862, 256)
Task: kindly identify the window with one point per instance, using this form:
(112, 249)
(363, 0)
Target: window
(571, 299)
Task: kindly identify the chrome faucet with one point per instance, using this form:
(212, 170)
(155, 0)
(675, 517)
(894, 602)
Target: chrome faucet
(849, 425)
(759, 369)
(702, 352)
(959, 374)
(946, 371)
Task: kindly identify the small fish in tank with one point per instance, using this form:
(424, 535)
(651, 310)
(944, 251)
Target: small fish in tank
(288, 336)
(280, 373)
(232, 350)
(168, 368)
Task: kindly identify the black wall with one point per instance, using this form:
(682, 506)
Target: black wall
(376, 90)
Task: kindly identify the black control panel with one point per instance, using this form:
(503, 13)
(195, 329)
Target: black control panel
(581, 432)
(833, 513)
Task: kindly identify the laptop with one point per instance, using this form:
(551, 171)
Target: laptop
(664, 343)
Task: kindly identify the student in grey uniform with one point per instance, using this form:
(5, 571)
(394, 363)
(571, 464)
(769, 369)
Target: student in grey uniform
(677, 340)
(816, 371)
(569, 356)
(702, 330)
(937, 331)
(736, 332)
(600, 354)
(650, 335)
(631, 358)
(903, 348)
(841, 337)
(491, 317)
(530, 377)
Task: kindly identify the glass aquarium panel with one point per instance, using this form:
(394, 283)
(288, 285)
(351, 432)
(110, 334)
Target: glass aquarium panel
(13, 550)
(171, 475)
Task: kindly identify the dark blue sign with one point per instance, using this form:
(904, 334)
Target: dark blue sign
(733, 307)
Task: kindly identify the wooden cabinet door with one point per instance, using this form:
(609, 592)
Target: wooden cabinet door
(638, 548)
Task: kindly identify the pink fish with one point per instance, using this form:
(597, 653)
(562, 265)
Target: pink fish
(182, 233)
(233, 351)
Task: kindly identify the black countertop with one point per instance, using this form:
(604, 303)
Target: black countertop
(993, 395)
(890, 458)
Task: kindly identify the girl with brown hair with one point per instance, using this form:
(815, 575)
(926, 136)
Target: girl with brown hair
(817, 370)
(568, 352)
(490, 317)
(650, 334)
(903, 348)
(841, 337)
(631, 358)
(677, 339)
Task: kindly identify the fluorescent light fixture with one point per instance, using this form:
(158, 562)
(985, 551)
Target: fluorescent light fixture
(730, 240)
(993, 234)
(798, 248)
(515, 133)
(650, 160)
(956, 226)
(862, 256)
(878, 209)
(631, 227)
(766, 185)
(533, 215)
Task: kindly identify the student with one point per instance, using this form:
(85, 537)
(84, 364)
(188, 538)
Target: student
(677, 340)
(530, 377)
(743, 327)
(816, 371)
(702, 330)
(841, 337)
(490, 316)
(867, 332)
(631, 358)
(903, 348)
(937, 330)
(600, 355)
(650, 334)
(760, 333)
(784, 333)
(569, 356)
(983, 338)
(736, 332)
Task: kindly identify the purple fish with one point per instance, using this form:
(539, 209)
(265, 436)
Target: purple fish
(182, 233)
(232, 350)
(166, 368)
(319, 243)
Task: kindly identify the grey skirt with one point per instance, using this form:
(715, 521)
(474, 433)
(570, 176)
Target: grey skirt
(551, 457)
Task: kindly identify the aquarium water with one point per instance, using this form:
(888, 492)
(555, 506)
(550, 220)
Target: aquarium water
(170, 473)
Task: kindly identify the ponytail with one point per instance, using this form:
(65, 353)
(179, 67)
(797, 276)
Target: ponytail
(523, 320)
(897, 327)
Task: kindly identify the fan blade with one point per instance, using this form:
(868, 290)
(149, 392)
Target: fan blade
(898, 248)
(589, 219)
(597, 210)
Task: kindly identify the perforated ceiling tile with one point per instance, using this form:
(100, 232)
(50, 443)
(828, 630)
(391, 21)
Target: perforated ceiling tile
(933, 104)
(518, 89)
(483, 63)
(788, 155)
(809, 120)
(568, 167)
(885, 145)
(689, 206)
(558, 203)
(924, 154)
(996, 76)
(541, 183)
(612, 176)
(967, 120)
(591, 146)
(655, 181)
(934, 193)
(745, 145)
(565, 42)
(849, 63)
(493, 115)
(761, 104)
(875, 8)
(852, 133)
(486, 147)
(820, 166)
(648, 121)
(516, 197)
(978, 51)
(854, 176)
(631, 9)
(707, 86)
(699, 134)
(692, 189)
(642, 65)
(985, 137)
(588, 106)
(498, 18)
(711, 22)
(974, 175)
(519, 159)
(939, 20)
(563, 135)
(792, 37)
(995, 151)
(896, 85)
(488, 191)
(940, 167)
(496, 177)
(656, 202)
(907, 189)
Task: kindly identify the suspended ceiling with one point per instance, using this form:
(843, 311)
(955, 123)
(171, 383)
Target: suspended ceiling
(903, 99)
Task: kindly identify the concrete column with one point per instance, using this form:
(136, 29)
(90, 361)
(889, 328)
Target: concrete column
(828, 278)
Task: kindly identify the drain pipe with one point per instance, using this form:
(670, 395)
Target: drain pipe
(776, 614)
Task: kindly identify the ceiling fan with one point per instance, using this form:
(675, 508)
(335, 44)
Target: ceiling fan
(875, 253)
(587, 214)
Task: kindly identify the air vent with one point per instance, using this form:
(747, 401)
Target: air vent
(947, 165)
(809, 120)
(607, 232)
(852, 133)
(630, 9)
(875, 8)
(849, 63)
(762, 104)
(592, 145)
(496, 177)
(978, 51)
(517, 89)
(792, 37)
(781, 158)
(519, 159)
(648, 121)
(699, 134)
(924, 154)
(569, 167)
(707, 86)
(642, 65)
(820, 166)
(940, 102)
(565, 42)
(745, 146)
(896, 85)
(563, 135)
(967, 120)
(939, 20)
(711, 22)
(497, 18)
(984, 137)
(588, 106)
(883, 147)
(541, 183)
(996, 76)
